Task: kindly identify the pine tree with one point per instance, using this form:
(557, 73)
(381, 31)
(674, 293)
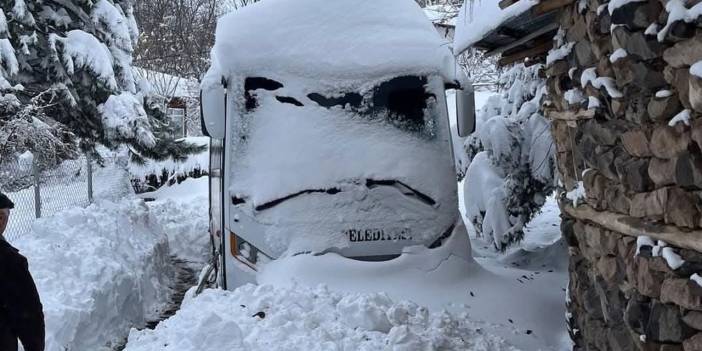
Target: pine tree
(73, 60)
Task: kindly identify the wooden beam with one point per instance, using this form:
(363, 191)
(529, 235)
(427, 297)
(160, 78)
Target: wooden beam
(539, 49)
(531, 36)
(507, 3)
(510, 32)
(549, 5)
(571, 115)
(636, 227)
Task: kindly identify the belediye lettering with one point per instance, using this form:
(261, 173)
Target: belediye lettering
(365, 235)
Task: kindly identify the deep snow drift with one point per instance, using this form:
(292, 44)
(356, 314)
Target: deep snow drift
(301, 318)
(183, 212)
(99, 270)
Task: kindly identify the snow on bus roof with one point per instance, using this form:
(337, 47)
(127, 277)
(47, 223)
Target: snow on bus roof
(478, 18)
(340, 39)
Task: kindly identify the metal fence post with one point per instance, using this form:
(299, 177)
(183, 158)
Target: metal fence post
(90, 177)
(37, 189)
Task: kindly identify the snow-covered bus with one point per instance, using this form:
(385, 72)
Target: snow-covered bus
(330, 132)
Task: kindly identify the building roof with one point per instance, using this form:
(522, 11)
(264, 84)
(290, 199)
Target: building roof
(516, 29)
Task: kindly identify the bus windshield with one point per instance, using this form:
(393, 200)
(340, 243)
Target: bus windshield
(403, 102)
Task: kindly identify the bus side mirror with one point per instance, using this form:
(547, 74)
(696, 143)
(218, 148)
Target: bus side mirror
(213, 111)
(465, 111)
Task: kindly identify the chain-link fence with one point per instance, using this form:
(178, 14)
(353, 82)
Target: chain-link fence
(41, 193)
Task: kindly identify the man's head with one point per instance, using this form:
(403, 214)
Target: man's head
(5, 206)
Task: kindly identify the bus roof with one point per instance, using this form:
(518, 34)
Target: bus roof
(339, 39)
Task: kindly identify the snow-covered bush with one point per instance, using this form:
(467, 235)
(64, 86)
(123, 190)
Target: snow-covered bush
(512, 168)
(151, 175)
(24, 128)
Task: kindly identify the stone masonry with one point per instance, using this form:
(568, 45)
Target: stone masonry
(626, 117)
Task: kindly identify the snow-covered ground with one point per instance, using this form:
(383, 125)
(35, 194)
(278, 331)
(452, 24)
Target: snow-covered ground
(99, 270)
(495, 301)
(303, 318)
(521, 302)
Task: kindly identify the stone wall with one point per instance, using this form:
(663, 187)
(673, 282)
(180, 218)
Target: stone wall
(627, 122)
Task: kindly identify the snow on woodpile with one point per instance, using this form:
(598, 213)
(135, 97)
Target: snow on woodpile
(333, 39)
(300, 318)
(677, 11)
(478, 18)
(99, 270)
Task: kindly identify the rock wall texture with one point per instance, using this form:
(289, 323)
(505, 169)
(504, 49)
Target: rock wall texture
(627, 122)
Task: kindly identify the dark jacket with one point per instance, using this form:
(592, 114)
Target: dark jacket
(21, 314)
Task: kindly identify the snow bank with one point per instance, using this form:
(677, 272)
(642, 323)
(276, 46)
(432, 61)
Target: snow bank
(99, 270)
(347, 39)
(447, 278)
(300, 318)
(183, 211)
(478, 18)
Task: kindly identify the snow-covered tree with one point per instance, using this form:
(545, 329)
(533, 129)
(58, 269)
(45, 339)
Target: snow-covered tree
(237, 4)
(481, 69)
(70, 61)
(512, 167)
(24, 127)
